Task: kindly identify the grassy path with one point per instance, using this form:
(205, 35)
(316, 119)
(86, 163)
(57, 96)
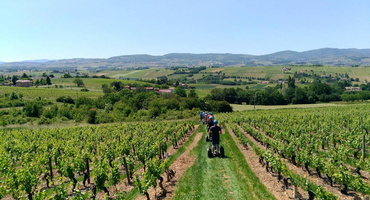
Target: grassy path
(220, 178)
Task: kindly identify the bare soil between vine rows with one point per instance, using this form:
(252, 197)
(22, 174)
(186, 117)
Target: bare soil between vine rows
(266, 178)
(180, 166)
(312, 178)
(123, 186)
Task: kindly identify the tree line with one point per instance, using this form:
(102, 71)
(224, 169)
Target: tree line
(117, 104)
(283, 94)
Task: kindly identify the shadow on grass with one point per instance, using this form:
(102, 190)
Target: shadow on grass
(224, 157)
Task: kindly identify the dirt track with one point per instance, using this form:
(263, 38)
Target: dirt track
(179, 166)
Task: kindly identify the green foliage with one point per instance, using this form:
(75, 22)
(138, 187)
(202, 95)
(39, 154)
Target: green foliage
(114, 176)
(336, 142)
(67, 76)
(114, 106)
(78, 195)
(33, 109)
(101, 173)
(141, 185)
(84, 101)
(107, 89)
(61, 192)
(64, 99)
(48, 80)
(14, 79)
(14, 96)
(193, 94)
(219, 106)
(116, 85)
(180, 91)
(79, 82)
(92, 116)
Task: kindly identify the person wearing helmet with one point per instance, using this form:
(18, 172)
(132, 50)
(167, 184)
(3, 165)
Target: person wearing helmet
(205, 120)
(200, 115)
(210, 123)
(209, 115)
(215, 132)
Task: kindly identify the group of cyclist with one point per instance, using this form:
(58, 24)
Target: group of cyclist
(213, 130)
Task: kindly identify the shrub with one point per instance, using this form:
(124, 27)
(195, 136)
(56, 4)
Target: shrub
(33, 109)
(92, 116)
(64, 99)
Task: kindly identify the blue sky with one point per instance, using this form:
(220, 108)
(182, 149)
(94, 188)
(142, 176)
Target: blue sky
(58, 29)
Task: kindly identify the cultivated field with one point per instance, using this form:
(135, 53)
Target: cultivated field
(363, 73)
(314, 151)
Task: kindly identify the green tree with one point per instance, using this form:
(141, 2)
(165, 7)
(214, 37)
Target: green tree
(117, 85)
(67, 76)
(24, 76)
(79, 82)
(272, 96)
(193, 94)
(291, 82)
(106, 88)
(162, 80)
(229, 95)
(42, 81)
(288, 93)
(300, 96)
(92, 116)
(33, 109)
(14, 79)
(48, 81)
(220, 106)
(180, 91)
(216, 94)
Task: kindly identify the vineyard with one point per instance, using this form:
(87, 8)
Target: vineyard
(78, 162)
(311, 153)
(320, 150)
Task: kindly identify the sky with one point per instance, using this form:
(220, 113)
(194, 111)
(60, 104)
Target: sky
(62, 29)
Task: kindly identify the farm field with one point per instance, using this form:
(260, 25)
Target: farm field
(270, 72)
(285, 153)
(238, 107)
(63, 150)
(203, 89)
(325, 142)
(268, 150)
(49, 93)
(273, 72)
(91, 83)
(272, 152)
(66, 87)
(137, 74)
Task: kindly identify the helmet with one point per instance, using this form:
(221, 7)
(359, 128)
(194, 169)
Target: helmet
(211, 117)
(215, 122)
(210, 113)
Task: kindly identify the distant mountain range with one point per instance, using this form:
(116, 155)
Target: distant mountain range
(325, 56)
(36, 61)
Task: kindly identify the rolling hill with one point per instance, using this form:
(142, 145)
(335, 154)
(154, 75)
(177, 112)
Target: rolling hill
(324, 56)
